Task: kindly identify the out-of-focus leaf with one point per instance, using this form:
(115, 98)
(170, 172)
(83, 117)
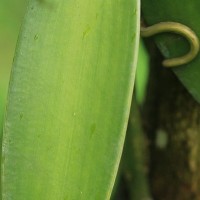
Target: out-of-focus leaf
(142, 73)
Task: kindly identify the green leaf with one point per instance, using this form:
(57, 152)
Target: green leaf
(142, 73)
(187, 13)
(69, 99)
(9, 29)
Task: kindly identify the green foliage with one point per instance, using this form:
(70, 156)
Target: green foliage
(70, 94)
(142, 73)
(11, 12)
(69, 99)
(172, 45)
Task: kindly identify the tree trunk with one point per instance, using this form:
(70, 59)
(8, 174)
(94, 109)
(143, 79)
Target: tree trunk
(171, 119)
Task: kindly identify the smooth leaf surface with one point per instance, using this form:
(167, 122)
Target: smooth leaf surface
(171, 45)
(69, 99)
(10, 20)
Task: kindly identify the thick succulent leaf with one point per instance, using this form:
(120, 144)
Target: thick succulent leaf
(187, 13)
(69, 99)
(9, 29)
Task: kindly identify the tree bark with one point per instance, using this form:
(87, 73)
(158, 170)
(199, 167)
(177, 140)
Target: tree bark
(171, 120)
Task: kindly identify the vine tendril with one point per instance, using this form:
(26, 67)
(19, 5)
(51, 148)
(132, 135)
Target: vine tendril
(178, 29)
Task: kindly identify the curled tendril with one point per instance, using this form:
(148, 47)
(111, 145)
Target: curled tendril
(178, 29)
